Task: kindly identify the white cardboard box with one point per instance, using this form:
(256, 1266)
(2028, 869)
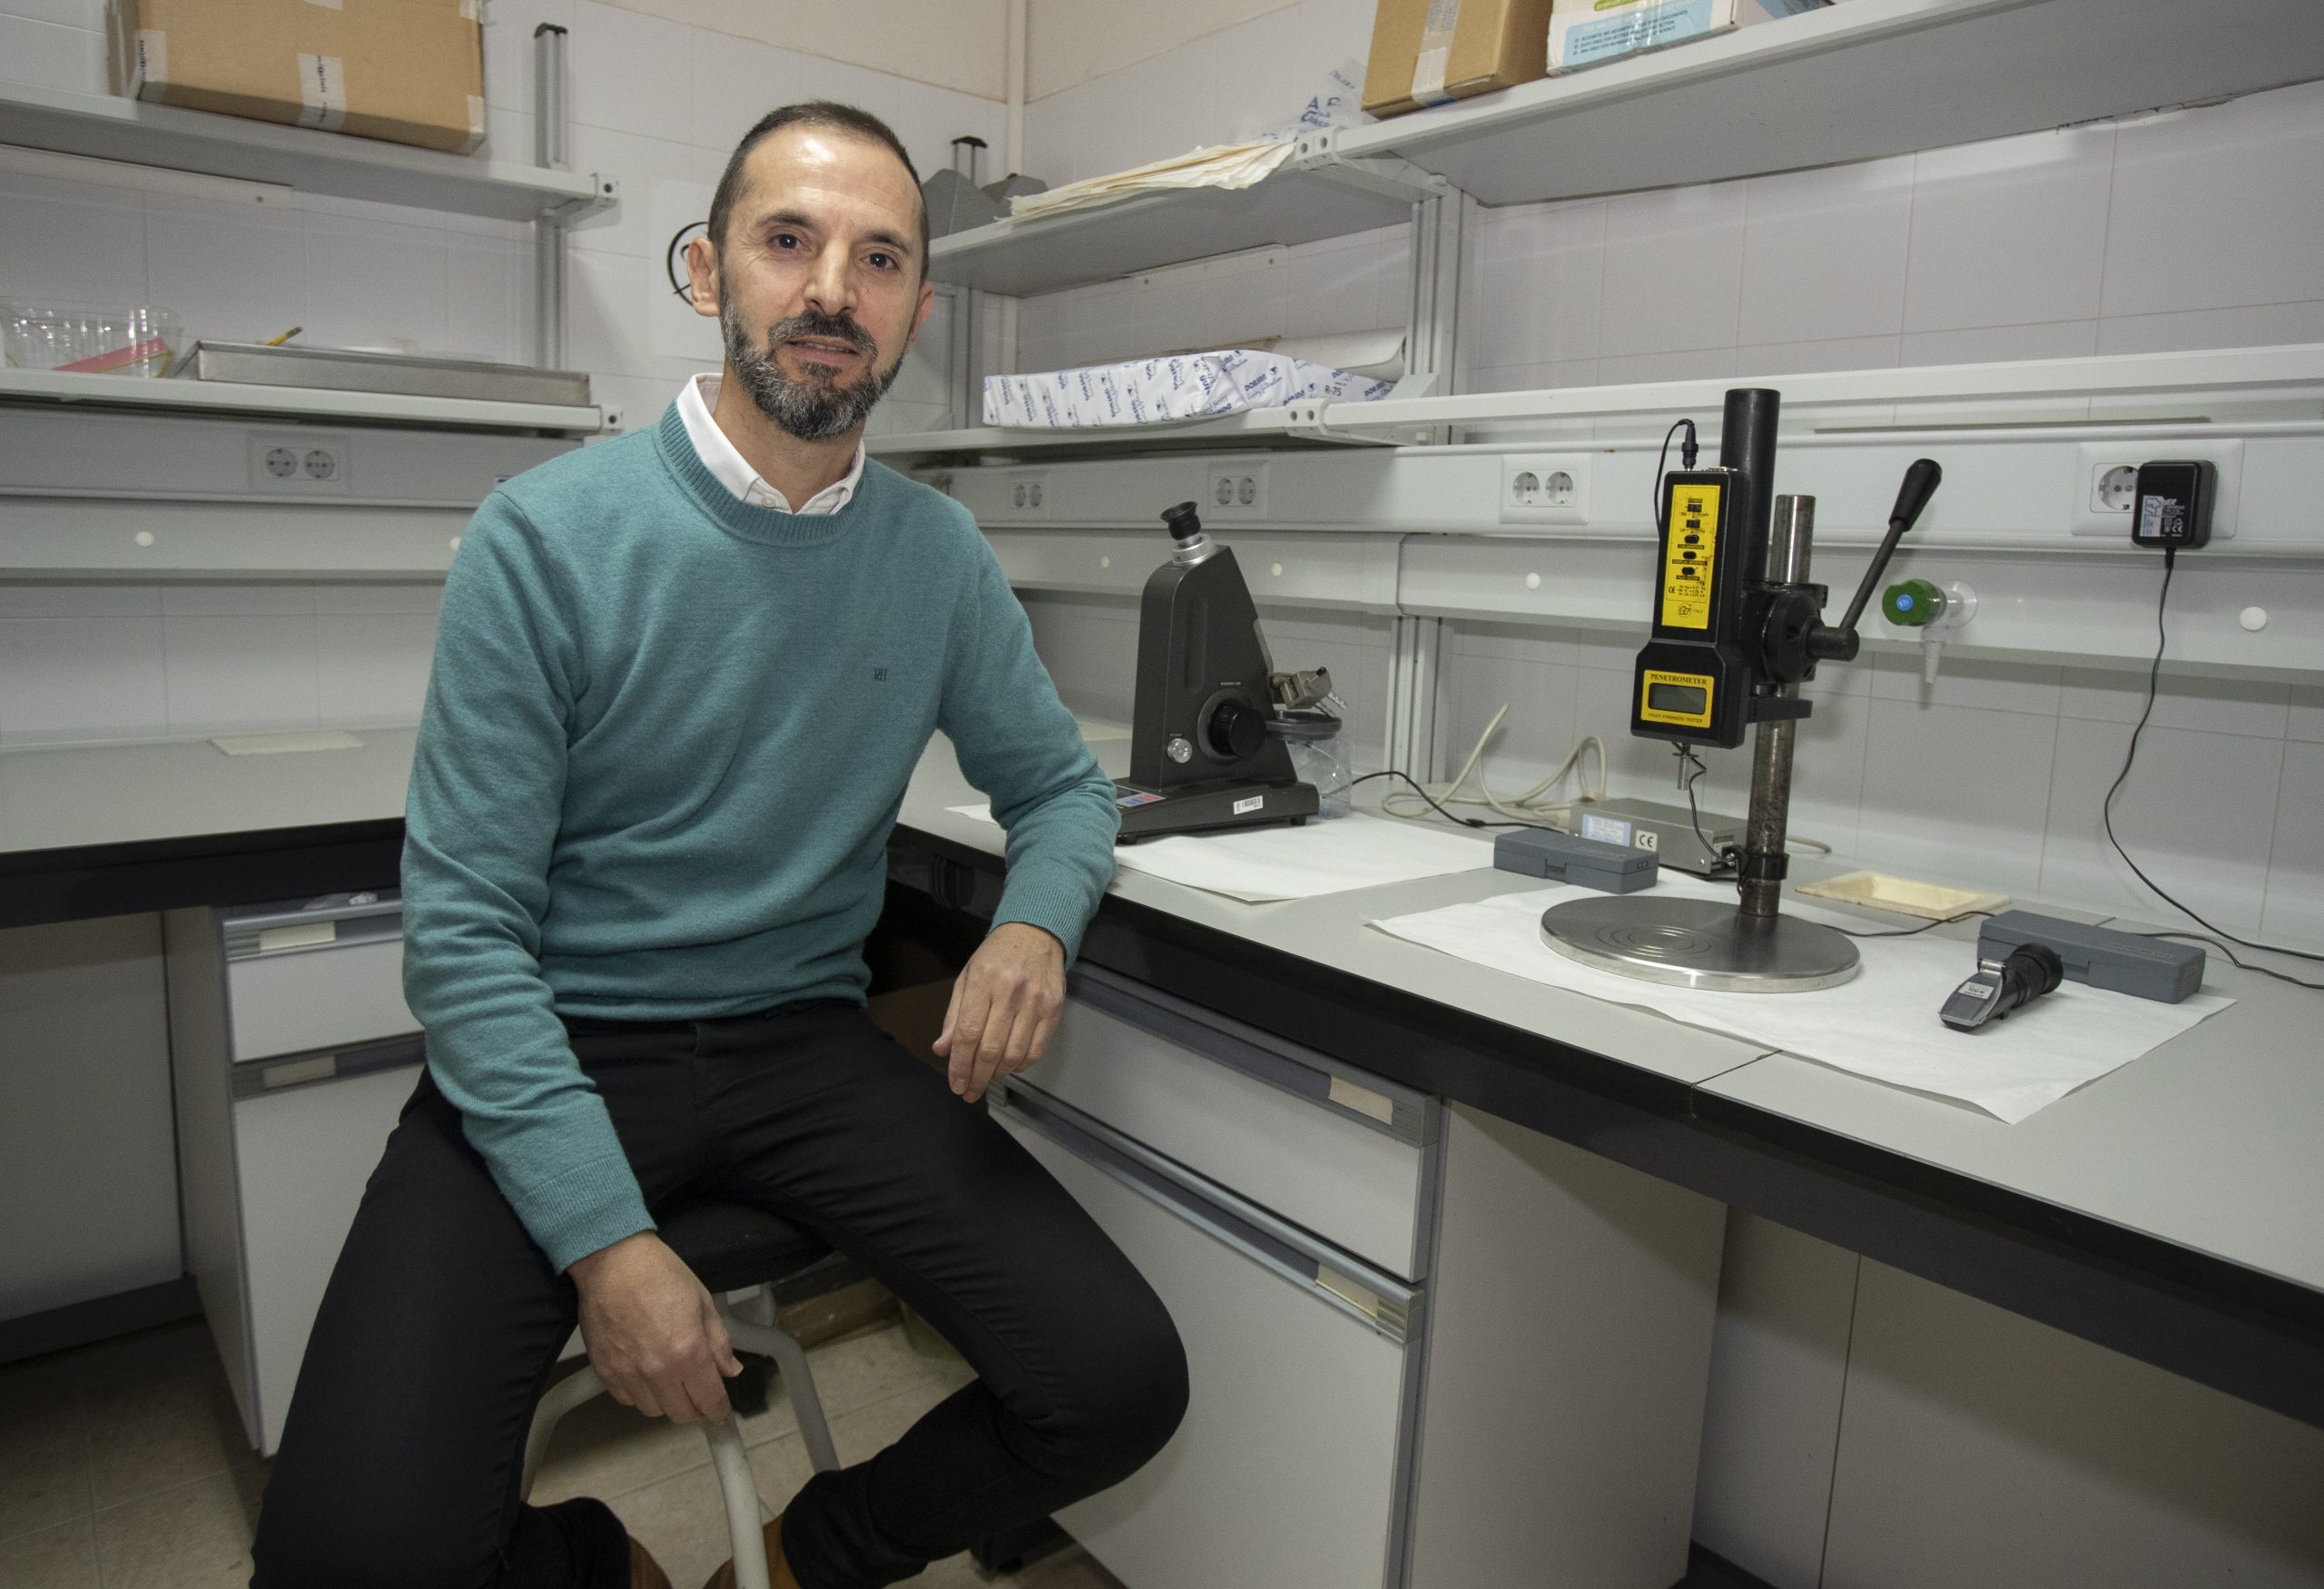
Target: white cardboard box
(1585, 33)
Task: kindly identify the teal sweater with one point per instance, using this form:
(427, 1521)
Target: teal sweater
(665, 741)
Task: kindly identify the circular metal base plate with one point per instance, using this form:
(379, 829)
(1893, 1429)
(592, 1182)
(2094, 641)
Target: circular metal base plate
(1698, 943)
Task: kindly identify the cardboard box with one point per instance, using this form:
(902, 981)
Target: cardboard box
(1429, 52)
(406, 71)
(1585, 33)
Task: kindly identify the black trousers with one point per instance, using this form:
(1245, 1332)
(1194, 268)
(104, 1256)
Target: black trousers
(403, 1451)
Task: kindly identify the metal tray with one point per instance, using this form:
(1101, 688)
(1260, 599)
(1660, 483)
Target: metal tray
(339, 370)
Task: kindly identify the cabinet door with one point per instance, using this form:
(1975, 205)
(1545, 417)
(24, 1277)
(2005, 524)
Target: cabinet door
(303, 1156)
(1284, 1473)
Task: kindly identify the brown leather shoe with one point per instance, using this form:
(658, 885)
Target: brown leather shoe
(778, 1571)
(645, 1572)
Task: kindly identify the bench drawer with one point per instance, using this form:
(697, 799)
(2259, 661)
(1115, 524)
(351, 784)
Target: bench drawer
(1325, 1145)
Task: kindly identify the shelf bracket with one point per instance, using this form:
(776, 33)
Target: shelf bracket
(1387, 175)
(1307, 421)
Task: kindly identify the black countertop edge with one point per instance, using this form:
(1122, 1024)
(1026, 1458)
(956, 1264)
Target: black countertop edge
(1470, 1059)
(87, 881)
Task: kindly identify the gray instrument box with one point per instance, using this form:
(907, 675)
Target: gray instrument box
(1584, 862)
(2103, 957)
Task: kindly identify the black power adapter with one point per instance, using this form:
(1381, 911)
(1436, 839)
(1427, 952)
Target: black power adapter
(2173, 507)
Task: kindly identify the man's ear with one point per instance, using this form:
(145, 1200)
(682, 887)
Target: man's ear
(702, 276)
(927, 302)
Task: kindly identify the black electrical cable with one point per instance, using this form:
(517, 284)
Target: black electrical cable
(1692, 769)
(2106, 810)
(2238, 965)
(1687, 456)
(1916, 932)
(1424, 794)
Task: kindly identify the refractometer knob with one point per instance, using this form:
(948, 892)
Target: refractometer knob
(1237, 730)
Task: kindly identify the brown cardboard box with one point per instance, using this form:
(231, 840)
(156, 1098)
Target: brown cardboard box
(1426, 52)
(406, 71)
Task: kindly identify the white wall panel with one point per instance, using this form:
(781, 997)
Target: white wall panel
(87, 1169)
(1779, 1362)
(1979, 1448)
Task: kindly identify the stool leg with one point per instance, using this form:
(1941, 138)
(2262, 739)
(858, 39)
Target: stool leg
(741, 1497)
(556, 1402)
(798, 1382)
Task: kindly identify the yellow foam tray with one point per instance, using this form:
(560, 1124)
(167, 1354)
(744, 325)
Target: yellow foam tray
(1906, 895)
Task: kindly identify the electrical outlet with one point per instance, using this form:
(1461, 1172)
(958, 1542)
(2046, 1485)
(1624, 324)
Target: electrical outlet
(1237, 490)
(299, 463)
(1545, 489)
(1028, 493)
(2106, 482)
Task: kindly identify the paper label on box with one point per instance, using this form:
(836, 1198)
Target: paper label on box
(153, 60)
(471, 10)
(1435, 51)
(1610, 28)
(322, 89)
(475, 124)
(329, 5)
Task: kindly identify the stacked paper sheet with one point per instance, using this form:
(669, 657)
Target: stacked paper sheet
(1184, 385)
(1229, 166)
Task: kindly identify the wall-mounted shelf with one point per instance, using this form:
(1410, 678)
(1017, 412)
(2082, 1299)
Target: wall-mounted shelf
(105, 127)
(292, 402)
(1315, 196)
(1253, 427)
(2102, 388)
(1862, 80)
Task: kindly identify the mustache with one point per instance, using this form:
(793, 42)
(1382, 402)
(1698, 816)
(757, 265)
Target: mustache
(827, 327)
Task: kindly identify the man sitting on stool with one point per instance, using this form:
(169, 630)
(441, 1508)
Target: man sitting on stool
(670, 724)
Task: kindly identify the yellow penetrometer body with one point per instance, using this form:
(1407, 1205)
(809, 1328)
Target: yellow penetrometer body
(1693, 683)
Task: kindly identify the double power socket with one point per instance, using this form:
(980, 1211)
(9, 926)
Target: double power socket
(299, 464)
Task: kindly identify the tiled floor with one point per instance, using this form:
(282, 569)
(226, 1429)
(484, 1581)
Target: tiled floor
(123, 1466)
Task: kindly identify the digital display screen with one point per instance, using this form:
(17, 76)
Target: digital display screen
(1684, 700)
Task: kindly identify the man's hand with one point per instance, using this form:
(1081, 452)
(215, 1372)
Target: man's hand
(1004, 1007)
(653, 1334)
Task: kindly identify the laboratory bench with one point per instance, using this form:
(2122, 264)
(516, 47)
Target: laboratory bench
(1379, 1124)
(2169, 1211)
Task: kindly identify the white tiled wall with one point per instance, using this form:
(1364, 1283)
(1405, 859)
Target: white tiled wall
(2197, 229)
(1341, 284)
(1219, 86)
(97, 662)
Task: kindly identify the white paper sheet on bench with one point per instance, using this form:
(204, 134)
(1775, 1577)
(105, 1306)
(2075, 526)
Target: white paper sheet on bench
(1882, 1025)
(1264, 863)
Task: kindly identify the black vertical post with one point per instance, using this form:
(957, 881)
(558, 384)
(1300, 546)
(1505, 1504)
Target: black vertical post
(1746, 441)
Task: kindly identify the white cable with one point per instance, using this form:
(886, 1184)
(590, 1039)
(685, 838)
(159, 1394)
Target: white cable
(1526, 807)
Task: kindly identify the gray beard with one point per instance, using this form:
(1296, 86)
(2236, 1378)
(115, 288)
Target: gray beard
(817, 408)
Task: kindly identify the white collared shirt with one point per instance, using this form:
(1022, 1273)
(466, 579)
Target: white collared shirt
(696, 398)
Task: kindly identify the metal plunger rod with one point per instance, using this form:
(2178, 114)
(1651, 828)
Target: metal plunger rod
(1766, 829)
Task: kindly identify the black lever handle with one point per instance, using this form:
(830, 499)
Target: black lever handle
(1920, 484)
(1837, 642)
(1921, 481)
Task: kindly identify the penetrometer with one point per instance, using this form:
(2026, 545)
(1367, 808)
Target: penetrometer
(1737, 628)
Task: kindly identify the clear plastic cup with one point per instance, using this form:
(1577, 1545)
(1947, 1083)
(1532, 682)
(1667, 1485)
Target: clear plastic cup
(1317, 743)
(90, 339)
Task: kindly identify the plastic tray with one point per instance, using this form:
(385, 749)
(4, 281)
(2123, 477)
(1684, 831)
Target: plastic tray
(1906, 895)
